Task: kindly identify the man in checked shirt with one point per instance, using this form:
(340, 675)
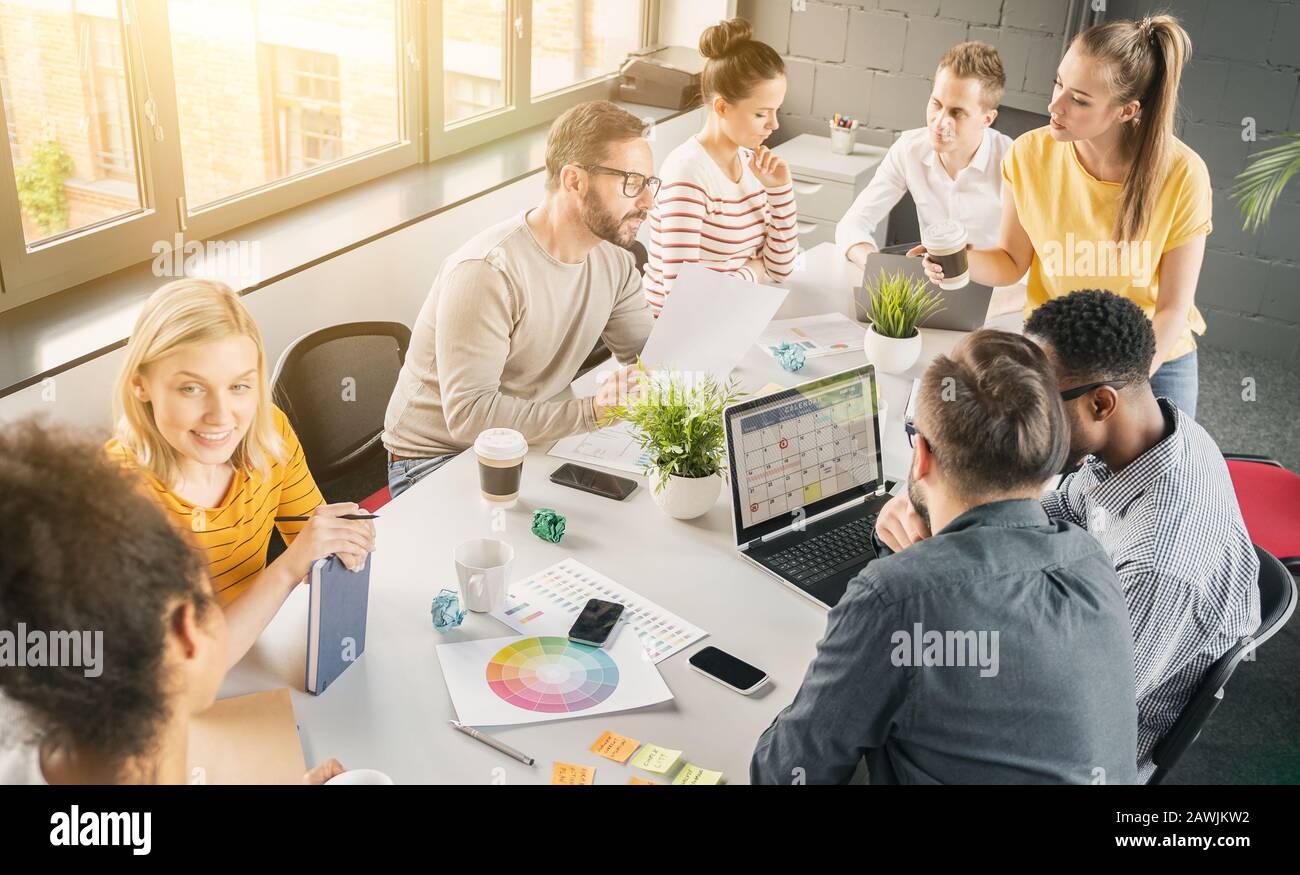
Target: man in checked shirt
(1154, 490)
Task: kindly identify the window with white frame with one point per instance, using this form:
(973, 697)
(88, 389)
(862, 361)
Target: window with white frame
(137, 120)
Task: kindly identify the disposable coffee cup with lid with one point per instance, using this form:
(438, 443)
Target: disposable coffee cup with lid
(500, 454)
(945, 243)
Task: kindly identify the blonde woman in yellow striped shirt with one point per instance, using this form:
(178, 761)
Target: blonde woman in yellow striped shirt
(195, 418)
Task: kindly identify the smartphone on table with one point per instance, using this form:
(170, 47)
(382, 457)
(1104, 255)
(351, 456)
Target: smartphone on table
(730, 671)
(596, 622)
(596, 482)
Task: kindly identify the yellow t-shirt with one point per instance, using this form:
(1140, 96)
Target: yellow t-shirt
(235, 534)
(1069, 216)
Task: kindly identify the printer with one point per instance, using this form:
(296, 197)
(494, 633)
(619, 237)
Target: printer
(667, 76)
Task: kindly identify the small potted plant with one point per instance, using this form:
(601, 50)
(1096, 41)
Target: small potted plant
(679, 425)
(899, 304)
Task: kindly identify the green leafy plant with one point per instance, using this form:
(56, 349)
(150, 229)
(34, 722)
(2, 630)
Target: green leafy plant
(1261, 182)
(679, 424)
(900, 303)
(40, 187)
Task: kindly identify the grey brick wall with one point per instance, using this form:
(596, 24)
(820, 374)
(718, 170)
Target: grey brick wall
(874, 59)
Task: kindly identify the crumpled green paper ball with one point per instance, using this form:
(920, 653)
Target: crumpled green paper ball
(790, 356)
(548, 525)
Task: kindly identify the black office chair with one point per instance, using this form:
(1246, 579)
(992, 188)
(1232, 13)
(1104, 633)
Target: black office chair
(1277, 601)
(600, 353)
(904, 229)
(334, 385)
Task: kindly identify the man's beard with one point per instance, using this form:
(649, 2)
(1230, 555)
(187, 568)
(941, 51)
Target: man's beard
(605, 226)
(918, 501)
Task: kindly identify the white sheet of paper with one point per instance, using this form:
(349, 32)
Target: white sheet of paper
(614, 447)
(709, 322)
(620, 677)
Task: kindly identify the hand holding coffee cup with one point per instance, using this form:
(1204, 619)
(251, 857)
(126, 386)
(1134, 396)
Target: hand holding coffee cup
(945, 248)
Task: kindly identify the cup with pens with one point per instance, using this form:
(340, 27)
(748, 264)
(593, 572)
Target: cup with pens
(843, 134)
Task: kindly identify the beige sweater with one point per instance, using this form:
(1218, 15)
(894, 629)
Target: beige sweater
(505, 328)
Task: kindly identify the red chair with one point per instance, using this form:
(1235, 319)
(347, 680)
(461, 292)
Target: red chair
(376, 501)
(1269, 496)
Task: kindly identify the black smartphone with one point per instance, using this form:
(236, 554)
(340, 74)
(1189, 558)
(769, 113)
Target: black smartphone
(729, 671)
(595, 622)
(595, 482)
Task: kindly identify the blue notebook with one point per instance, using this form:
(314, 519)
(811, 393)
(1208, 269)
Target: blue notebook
(336, 620)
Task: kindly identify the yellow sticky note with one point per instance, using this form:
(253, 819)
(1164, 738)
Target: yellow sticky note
(635, 780)
(693, 774)
(568, 773)
(614, 747)
(769, 389)
(653, 758)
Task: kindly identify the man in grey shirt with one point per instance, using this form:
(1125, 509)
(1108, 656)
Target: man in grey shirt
(1154, 491)
(515, 311)
(997, 651)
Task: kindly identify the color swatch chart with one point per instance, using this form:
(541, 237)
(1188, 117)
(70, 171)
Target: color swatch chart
(552, 674)
(548, 603)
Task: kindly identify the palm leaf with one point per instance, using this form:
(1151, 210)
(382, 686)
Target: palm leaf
(1261, 182)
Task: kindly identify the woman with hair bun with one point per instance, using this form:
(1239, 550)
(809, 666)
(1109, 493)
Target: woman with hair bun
(727, 201)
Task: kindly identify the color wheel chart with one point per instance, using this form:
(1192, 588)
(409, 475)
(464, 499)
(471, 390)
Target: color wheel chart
(552, 675)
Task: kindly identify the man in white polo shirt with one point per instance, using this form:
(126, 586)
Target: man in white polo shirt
(952, 167)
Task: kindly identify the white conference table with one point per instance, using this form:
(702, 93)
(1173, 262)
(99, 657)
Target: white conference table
(389, 710)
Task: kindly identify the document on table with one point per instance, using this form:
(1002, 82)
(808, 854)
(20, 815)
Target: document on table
(548, 602)
(824, 334)
(250, 739)
(614, 447)
(709, 321)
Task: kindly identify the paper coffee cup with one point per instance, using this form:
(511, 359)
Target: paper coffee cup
(500, 454)
(945, 243)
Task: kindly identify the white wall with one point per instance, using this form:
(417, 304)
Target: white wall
(682, 21)
(384, 280)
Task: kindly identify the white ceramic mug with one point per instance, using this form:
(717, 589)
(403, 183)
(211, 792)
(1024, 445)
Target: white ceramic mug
(483, 567)
(360, 776)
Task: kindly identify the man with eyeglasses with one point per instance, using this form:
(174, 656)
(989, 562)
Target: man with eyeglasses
(516, 310)
(997, 651)
(1154, 490)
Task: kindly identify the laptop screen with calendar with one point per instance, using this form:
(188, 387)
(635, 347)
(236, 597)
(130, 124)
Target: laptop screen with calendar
(802, 451)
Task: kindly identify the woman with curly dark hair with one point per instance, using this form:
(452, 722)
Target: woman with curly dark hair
(90, 560)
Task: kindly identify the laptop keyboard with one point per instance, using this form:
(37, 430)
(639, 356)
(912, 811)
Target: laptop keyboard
(819, 557)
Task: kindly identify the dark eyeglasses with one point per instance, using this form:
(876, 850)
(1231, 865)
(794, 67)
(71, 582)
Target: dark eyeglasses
(913, 433)
(1071, 394)
(633, 183)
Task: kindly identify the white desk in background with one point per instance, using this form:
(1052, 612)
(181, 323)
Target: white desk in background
(389, 711)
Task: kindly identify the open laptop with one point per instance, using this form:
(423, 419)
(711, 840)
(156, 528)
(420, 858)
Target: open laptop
(964, 309)
(807, 481)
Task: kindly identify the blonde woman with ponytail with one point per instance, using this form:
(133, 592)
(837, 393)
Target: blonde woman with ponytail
(1105, 197)
(196, 421)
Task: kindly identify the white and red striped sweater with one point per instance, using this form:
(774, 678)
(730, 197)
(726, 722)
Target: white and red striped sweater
(702, 216)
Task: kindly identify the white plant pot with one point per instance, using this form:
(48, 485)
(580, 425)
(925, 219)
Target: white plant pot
(891, 355)
(685, 498)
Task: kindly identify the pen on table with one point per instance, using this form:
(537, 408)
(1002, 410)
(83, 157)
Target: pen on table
(492, 742)
(344, 516)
